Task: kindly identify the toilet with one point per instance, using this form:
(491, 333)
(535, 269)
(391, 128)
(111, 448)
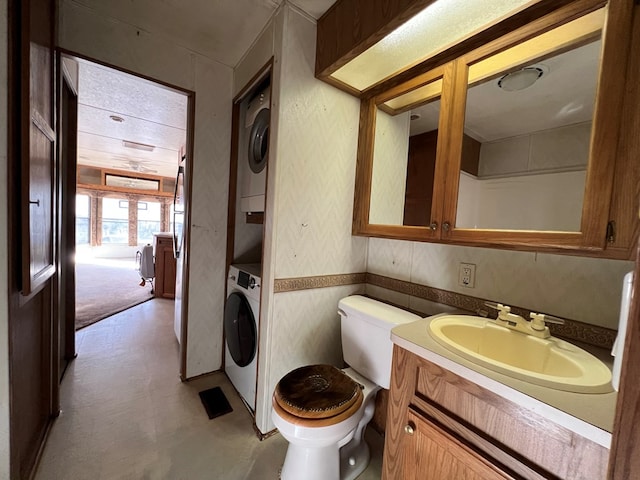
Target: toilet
(323, 411)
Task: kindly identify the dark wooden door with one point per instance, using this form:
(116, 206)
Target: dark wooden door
(32, 234)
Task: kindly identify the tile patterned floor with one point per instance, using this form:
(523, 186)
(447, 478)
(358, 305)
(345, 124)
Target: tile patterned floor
(126, 415)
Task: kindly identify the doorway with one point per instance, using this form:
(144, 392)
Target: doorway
(132, 136)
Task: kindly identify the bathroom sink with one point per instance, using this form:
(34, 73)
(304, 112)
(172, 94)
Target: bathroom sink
(549, 362)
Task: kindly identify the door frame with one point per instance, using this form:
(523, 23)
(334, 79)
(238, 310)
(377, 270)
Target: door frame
(64, 284)
(191, 99)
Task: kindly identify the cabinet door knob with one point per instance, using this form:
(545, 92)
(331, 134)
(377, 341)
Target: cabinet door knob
(409, 428)
(433, 226)
(446, 226)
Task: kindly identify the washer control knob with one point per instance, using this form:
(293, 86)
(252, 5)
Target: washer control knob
(252, 283)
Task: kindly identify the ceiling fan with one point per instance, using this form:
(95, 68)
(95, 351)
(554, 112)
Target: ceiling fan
(133, 165)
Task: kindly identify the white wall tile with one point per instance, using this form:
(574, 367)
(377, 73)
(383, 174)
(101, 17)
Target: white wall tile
(561, 147)
(583, 289)
(504, 156)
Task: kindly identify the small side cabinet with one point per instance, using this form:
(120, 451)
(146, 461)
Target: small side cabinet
(165, 285)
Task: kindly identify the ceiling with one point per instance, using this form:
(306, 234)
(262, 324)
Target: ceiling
(151, 114)
(222, 30)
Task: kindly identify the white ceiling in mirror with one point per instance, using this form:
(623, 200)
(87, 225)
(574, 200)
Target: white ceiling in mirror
(564, 95)
(427, 121)
(439, 26)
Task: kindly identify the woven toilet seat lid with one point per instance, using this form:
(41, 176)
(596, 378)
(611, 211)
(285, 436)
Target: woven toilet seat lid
(317, 391)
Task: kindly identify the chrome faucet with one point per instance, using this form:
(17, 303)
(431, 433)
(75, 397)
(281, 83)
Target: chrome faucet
(536, 327)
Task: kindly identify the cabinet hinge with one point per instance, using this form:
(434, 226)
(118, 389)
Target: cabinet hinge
(611, 229)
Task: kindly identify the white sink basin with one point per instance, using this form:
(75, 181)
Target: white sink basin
(549, 362)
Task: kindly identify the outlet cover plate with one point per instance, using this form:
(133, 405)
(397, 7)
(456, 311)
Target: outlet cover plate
(467, 275)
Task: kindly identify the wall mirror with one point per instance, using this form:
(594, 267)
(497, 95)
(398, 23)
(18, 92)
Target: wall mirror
(404, 152)
(529, 113)
(507, 142)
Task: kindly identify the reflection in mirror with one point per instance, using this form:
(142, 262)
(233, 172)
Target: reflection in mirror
(404, 155)
(529, 109)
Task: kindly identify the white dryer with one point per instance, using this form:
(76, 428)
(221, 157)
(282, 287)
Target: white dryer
(241, 314)
(254, 152)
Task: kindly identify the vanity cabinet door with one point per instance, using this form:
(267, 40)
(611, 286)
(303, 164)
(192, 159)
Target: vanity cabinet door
(430, 453)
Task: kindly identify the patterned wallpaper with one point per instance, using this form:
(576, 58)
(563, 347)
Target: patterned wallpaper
(315, 172)
(307, 227)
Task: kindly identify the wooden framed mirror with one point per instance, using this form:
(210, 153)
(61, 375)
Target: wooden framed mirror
(512, 144)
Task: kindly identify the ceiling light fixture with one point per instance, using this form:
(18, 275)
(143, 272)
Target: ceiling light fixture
(116, 118)
(138, 146)
(520, 79)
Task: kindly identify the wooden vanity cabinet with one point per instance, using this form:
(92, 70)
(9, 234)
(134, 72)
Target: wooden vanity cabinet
(165, 286)
(441, 426)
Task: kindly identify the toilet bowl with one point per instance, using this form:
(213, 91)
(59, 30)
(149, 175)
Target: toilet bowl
(323, 411)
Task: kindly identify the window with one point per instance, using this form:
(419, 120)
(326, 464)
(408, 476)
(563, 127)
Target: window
(83, 224)
(115, 221)
(149, 216)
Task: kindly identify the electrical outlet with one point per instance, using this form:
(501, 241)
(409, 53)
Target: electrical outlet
(467, 275)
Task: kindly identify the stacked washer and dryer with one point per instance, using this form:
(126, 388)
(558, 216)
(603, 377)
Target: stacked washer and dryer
(242, 309)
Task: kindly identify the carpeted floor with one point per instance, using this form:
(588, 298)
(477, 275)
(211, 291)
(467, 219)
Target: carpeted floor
(103, 290)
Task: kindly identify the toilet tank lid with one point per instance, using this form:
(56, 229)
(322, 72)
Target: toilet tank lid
(376, 311)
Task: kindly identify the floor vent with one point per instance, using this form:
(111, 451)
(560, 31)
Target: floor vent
(215, 403)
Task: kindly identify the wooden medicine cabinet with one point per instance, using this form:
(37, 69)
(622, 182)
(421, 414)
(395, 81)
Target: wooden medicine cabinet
(513, 144)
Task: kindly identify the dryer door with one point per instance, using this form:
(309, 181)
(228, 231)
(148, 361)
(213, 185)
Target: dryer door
(240, 329)
(259, 141)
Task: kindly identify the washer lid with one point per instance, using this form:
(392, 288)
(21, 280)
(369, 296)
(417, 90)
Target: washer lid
(240, 329)
(259, 141)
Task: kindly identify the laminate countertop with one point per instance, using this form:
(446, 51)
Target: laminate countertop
(589, 415)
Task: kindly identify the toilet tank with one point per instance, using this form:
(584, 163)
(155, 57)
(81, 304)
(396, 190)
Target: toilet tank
(366, 335)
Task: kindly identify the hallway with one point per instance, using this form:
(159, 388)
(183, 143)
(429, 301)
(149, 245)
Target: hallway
(126, 415)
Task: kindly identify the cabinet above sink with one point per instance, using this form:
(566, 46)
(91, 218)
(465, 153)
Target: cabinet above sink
(520, 143)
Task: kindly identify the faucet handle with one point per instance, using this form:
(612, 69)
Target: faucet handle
(498, 306)
(538, 320)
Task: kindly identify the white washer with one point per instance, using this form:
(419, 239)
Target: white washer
(241, 314)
